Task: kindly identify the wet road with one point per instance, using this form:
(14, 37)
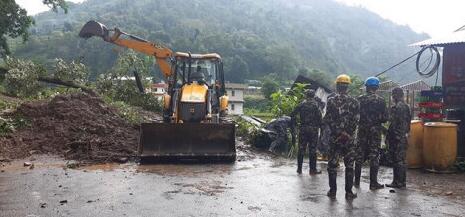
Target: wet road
(253, 187)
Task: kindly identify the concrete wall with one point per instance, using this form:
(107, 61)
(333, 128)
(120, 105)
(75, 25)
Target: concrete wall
(238, 108)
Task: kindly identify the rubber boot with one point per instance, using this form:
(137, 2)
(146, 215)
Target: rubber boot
(395, 179)
(374, 185)
(349, 183)
(402, 177)
(332, 186)
(300, 161)
(358, 173)
(312, 164)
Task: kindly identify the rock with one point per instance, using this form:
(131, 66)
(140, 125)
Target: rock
(90, 201)
(60, 186)
(449, 193)
(392, 191)
(31, 167)
(6, 160)
(43, 205)
(63, 202)
(27, 164)
(123, 160)
(131, 194)
(2, 171)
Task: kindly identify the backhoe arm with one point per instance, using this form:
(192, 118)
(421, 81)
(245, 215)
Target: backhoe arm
(161, 53)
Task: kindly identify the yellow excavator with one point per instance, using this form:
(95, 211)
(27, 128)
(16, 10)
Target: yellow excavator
(195, 125)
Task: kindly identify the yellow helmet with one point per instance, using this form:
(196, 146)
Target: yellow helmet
(343, 79)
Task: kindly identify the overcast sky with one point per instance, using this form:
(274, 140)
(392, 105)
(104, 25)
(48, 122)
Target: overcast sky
(435, 17)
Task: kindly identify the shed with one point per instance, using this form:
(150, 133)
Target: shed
(453, 66)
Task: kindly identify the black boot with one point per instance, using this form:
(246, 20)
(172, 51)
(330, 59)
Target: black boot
(312, 164)
(349, 183)
(402, 177)
(374, 185)
(300, 161)
(332, 186)
(358, 173)
(395, 179)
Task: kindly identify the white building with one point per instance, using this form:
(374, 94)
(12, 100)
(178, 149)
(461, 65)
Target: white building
(158, 89)
(236, 98)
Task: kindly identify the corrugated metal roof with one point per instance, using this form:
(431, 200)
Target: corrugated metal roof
(453, 38)
(416, 86)
(387, 86)
(235, 86)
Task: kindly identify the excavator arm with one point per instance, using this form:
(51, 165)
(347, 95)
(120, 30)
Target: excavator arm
(161, 53)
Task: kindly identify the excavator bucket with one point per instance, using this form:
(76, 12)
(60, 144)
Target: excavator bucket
(188, 141)
(93, 28)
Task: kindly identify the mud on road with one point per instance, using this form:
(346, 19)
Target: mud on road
(257, 185)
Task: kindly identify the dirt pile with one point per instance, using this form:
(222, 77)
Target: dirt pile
(76, 126)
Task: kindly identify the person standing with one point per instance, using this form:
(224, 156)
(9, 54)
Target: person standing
(373, 114)
(309, 124)
(396, 138)
(342, 116)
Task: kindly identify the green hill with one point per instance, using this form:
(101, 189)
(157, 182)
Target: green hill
(255, 37)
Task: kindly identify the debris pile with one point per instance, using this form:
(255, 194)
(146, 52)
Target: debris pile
(77, 126)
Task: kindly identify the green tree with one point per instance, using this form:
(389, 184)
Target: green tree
(14, 21)
(356, 88)
(22, 77)
(283, 103)
(269, 87)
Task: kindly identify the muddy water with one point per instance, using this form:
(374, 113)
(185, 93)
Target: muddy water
(254, 187)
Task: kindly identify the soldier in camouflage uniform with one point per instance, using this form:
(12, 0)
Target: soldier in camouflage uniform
(342, 116)
(373, 114)
(396, 137)
(310, 122)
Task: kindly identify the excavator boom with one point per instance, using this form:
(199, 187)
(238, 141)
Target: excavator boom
(161, 53)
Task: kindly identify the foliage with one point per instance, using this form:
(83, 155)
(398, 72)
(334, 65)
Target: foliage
(269, 87)
(74, 71)
(11, 124)
(15, 22)
(257, 103)
(357, 86)
(318, 75)
(22, 77)
(244, 128)
(126, 111)
(120, 85)
(254, 37)
(283, 103)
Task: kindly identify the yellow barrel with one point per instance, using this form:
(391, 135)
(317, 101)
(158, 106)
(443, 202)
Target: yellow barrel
(415, 145)
(439, 146)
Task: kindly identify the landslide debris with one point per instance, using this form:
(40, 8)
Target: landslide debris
(77, 126)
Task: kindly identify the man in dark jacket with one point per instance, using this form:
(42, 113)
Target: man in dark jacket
(373, 114)
(396, 138)
(342, 116)
(309, 116)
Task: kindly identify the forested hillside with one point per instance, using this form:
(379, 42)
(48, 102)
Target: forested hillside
(255, 37)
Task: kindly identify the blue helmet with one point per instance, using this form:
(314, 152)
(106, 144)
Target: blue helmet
(372, 82)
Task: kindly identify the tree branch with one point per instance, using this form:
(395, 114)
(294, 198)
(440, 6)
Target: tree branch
(66, 83)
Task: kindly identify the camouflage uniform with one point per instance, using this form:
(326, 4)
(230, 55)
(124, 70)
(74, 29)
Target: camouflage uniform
(310, 122)
(342, 115)
(373, 113)
(279, 127)
(396, 138)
